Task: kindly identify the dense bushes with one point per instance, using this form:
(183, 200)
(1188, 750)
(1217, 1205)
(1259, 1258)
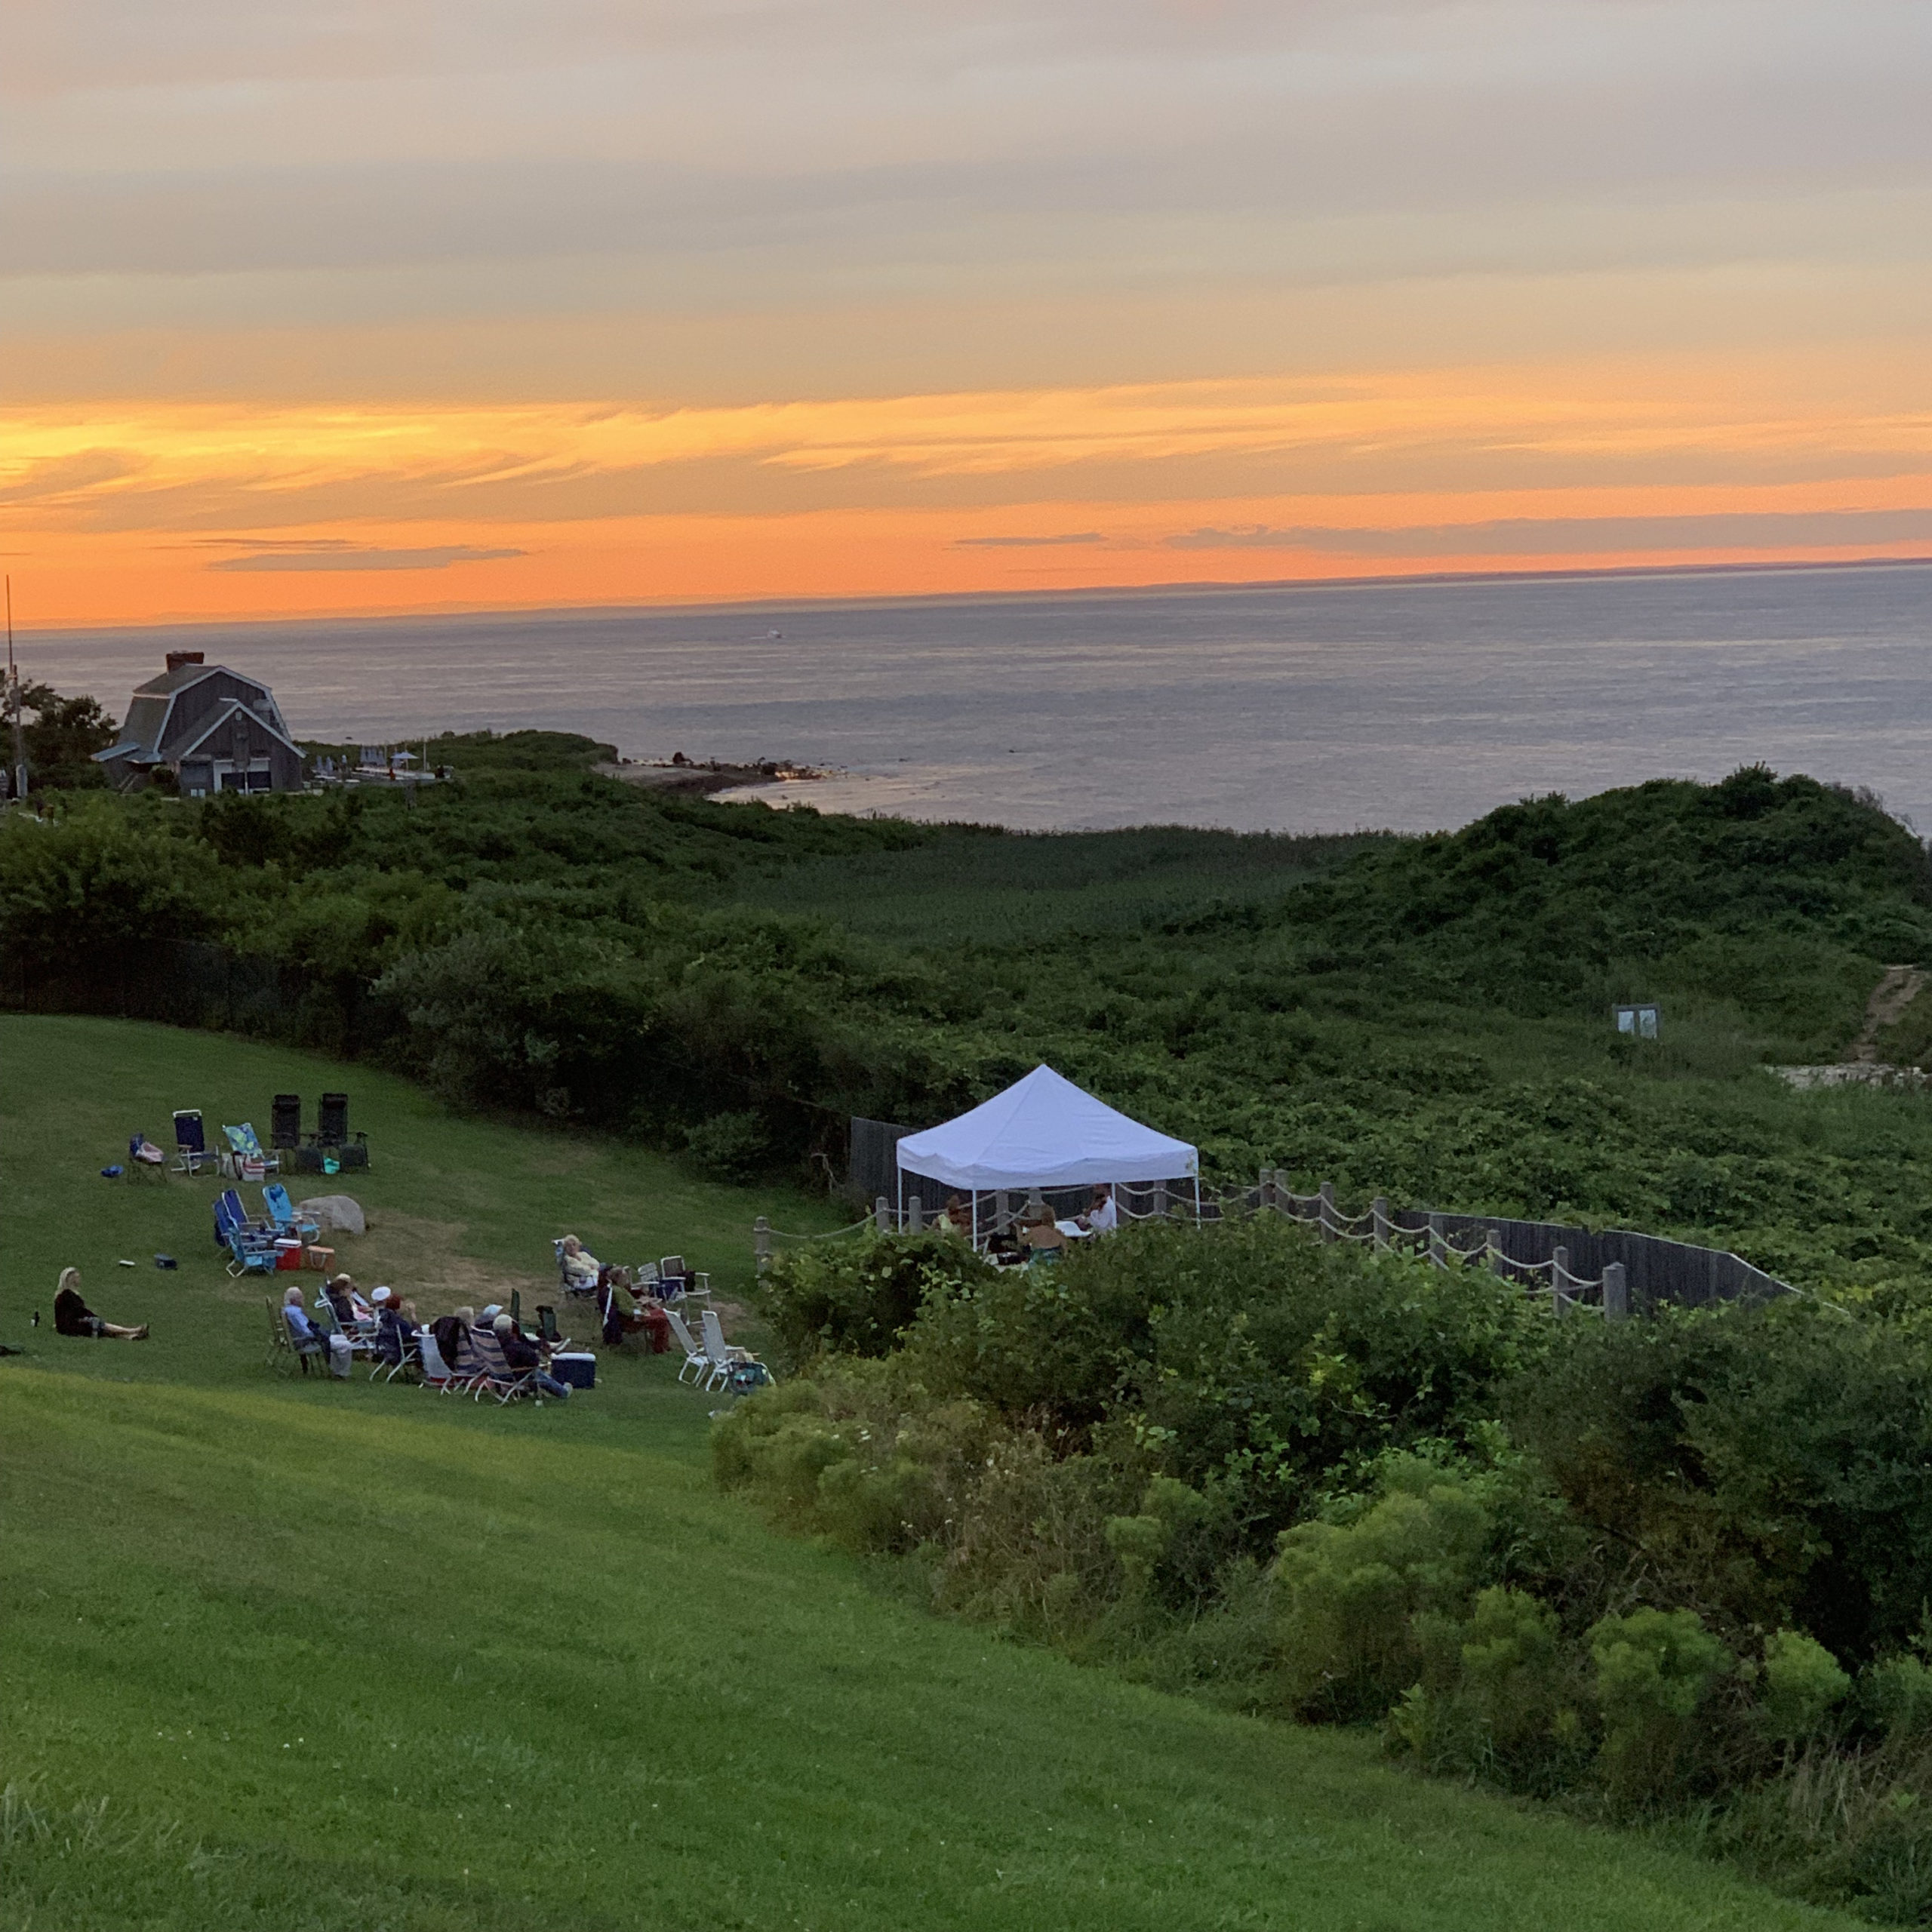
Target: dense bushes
(1419, 1017)
(1675, 1568)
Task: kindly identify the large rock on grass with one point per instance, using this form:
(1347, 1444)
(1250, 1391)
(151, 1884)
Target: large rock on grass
(334, 1213)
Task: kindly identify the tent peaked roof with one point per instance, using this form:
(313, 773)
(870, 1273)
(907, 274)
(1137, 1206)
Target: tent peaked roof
(1043, 1131)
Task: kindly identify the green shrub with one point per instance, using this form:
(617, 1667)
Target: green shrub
(730, 1146)
(1895, 1696)
(1347, 1637)
(1499, 1697)
(1800, 1686)
(1656, 1671)
(859, 1297)
(860, 1455)
(1762, 1463)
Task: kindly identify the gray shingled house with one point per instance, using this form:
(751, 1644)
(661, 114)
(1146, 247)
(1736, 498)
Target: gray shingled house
(215, 729)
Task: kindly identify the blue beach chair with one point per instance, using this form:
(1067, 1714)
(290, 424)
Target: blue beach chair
(274, 1199)
(251, 1248)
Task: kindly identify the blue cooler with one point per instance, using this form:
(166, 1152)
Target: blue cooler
(579, 1370)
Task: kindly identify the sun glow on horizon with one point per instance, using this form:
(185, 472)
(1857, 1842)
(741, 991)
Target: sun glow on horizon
(951, 299)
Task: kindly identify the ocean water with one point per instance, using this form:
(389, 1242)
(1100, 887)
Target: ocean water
(1304, 708)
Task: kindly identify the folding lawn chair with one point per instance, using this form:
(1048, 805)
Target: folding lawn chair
(192, 1150)
(566, 1281)
(286, 1349)
(141, 1152)
(251, 1249)
(285, 1122)
(332, 1132)
(498, 1378)
(464, 1366)
(436, 1373)
(246, 1159)
(723, 1356)
(546, 1329)
(357, 1334)
(281, 1214)
(398, 1348)
(695, 1358)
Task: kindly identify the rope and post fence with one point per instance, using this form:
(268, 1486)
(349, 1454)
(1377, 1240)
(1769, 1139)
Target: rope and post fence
(1611, 1273)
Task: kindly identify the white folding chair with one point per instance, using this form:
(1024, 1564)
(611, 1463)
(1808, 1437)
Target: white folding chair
(722, 1355)
(695, 1358)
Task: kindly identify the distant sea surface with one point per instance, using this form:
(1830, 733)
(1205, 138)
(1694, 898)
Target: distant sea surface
(1412, 705)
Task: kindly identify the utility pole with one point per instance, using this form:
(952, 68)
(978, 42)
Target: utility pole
(14, 702)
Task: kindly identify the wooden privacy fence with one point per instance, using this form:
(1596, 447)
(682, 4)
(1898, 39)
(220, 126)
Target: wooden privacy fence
(1610, 1271)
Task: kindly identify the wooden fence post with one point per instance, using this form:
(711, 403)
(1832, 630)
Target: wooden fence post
(1002, 1211)
(1264, 1198)
(1435, 1242)
(915, 1216)
(761, 1243)
(1381, 1213)
(1326, 1211)
(1160, 1200)
(1498, 1264)
(1615, 1292)
(882, 1215)
(1558, 1275)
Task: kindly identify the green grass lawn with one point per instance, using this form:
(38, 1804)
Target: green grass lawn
(286, 1654)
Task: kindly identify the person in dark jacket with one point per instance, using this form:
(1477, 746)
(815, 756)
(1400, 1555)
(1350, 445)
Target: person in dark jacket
(644, 1316)
(521, 1354)
(72, 1316)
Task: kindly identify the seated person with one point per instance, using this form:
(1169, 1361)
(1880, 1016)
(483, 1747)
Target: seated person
(1002, 1247)
(620, 1321)
(521, 1354)
(1102, 1214)
(956, 1218)
(395, 1330)
(72, 1316)
(1039, 1232)
(333, 1349)
(352, 1308)
(581, 1270)
(451, 1335)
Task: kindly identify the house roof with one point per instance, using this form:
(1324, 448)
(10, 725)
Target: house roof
(169, 682)
(229, 707)
(144, 732)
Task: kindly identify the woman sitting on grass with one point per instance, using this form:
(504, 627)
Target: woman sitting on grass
(72, 1316)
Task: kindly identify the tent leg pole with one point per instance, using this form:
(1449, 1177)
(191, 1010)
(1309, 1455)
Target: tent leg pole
(1197, 1200)
(898, 1227)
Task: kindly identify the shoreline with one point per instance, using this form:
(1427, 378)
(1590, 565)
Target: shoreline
(700, 778)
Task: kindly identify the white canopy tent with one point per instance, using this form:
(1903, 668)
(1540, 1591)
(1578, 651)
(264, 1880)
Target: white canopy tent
(1043, 1131)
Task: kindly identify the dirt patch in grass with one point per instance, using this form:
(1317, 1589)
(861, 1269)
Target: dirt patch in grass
(421, 1260)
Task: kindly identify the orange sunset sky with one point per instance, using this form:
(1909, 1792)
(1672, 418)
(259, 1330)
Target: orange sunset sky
(384, 306)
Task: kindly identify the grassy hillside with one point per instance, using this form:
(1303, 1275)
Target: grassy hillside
(286, 1654)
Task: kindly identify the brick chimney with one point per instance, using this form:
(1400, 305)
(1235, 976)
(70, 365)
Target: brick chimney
(177, 659)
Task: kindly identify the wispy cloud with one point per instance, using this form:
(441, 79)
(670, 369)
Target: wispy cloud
(1028, 542)
(1566, 536)
(329, 556)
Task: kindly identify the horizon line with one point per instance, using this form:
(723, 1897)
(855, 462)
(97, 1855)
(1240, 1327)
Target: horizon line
(1439, 580)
